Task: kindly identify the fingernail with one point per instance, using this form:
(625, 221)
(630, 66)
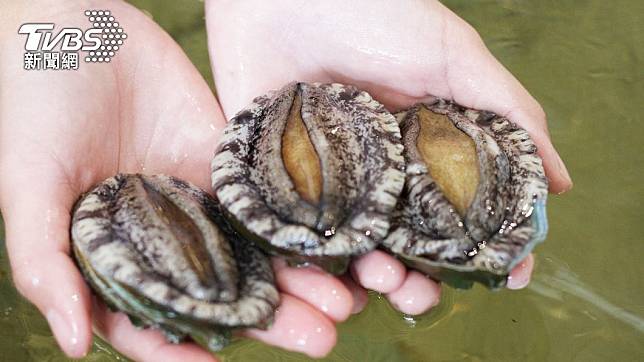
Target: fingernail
(66, 334)
(416, 296)
(563, 171)
(517, 282)
(379, 272)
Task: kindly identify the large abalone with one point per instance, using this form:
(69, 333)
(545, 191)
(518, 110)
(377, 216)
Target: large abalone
(157, 249)
(311, 171)
(473, 205)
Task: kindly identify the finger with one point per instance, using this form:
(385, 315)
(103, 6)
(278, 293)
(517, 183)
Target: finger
(142, 344)
(298, 327)
(520, 276)
(416, 295)
(360, 296)
(37, 232)
(475, 78)
(378, 271)
(316, 287)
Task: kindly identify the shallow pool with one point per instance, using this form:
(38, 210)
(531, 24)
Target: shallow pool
(584, 61)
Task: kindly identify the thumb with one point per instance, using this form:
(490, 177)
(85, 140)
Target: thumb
(475, 78)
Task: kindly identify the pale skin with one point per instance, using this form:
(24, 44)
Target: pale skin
(149, 110)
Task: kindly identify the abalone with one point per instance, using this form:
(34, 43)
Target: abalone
(473, 205)
(311, 172)
(157, 248)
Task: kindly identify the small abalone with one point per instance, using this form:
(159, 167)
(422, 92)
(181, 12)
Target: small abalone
(157, 249)
(311, 171)
(473, 205)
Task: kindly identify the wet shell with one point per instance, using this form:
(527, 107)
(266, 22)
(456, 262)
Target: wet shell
(157, 249)
(312, 171)
(473, 205)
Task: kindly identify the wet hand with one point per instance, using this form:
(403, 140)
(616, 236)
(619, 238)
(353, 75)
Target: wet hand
(401, 53)
(149, 111)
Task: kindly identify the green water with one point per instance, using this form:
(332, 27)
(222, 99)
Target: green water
(584, 61)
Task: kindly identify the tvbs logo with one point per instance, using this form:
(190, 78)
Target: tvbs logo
(100, 42)
(39, 37)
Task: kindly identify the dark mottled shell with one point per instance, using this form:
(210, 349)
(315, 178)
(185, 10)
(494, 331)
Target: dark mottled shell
(504, 221)
(360, 155)
(157, 248)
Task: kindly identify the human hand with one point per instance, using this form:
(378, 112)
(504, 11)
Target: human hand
(149, 111)
(401, 53)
